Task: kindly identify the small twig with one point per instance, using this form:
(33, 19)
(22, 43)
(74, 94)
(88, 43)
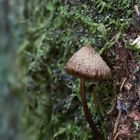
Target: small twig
(115, 100)
(105, 99)
(124, 80)
(139, 90)
(137, 10)
(119, 44)
(116, 123)
(112, 108)
(116, 136)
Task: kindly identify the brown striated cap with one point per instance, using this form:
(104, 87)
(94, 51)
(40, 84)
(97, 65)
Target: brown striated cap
(88, 64)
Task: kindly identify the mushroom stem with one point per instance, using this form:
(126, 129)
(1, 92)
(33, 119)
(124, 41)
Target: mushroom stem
(97, 134)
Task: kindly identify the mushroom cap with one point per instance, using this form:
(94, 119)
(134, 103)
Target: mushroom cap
(88, 64)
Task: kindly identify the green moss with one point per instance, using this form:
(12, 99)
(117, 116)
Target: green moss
(55, 30)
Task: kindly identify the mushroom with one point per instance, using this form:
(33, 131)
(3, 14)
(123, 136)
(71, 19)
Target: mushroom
(87, 64)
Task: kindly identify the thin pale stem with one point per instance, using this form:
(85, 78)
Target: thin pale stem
(137, 10)
(97, 134)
